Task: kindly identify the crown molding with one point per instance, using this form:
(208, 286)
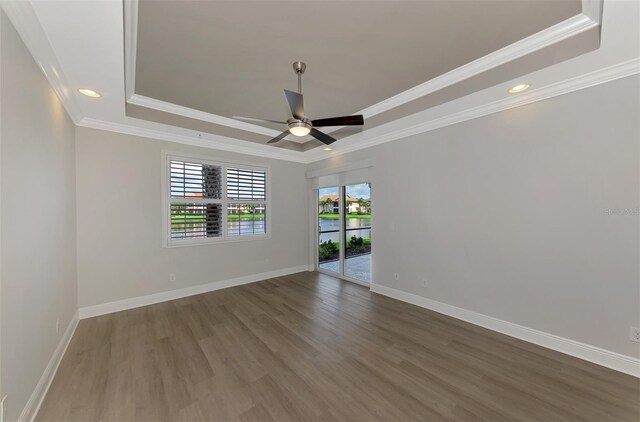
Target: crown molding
(593, 10)
(26, 22)
(191, 113)
(25, 19)
(561, 31)
(589, 18)
(130, 11)
(210, 141)
(607, 74)
(130, 51)
(611, 73)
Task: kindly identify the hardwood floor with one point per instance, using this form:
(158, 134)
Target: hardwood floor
(310, 347)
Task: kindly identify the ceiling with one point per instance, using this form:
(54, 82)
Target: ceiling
(176, 71)
(234, 58)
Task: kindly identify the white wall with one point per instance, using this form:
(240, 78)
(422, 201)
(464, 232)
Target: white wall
(505, 215)
(2, 23)
(38, 237)
(120, 253)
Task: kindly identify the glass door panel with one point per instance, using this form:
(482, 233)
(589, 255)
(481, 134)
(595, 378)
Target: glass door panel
(357, 231)
(329, 229)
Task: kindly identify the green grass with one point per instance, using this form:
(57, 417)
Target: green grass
(183, 217)
(230, 217)
(236, 217)
(337, 216)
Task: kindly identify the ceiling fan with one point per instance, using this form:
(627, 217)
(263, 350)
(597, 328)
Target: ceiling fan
(299, 124)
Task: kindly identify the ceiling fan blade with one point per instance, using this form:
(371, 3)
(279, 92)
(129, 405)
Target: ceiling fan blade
(279, 137)
(326, 139)
(251, 119)
(356, 120)
(295, 103)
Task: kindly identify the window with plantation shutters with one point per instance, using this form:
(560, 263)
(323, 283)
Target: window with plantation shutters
(211, 202)
(247, 201)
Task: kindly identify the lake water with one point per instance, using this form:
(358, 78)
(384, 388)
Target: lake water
(329, 224)
(243, 227)
(248, 227)
(234, 228)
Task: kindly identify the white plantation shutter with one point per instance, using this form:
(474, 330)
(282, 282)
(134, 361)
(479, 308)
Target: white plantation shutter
(193, 221)
(196, 200)
(247, 196)
(190, 180)
(246, 185)
(214, 201)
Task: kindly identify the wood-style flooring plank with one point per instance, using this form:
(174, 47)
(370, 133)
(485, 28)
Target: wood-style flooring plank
(309, 347)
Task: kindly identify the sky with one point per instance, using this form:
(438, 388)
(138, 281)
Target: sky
(355, 191)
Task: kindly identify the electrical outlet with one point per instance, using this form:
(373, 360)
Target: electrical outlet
(57, 325)
(3, 408)
(172, 278)
(634, 334)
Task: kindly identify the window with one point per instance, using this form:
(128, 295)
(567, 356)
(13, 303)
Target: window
(209, 202)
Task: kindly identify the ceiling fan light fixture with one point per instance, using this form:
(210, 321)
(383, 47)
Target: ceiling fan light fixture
(299, 127)
(299, 130)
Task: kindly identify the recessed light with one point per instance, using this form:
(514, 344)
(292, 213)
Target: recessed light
(327, 149)
(519, 88)
(90, 93)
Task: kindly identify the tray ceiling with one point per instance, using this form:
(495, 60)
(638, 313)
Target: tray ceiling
(93, 44)
(234, 58)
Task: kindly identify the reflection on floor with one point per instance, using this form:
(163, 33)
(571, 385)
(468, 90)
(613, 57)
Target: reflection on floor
(358, 267)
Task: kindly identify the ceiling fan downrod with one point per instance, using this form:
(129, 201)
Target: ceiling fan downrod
(299, 68)
(299, 124)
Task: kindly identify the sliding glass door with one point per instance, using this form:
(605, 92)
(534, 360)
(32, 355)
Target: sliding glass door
(329, 217)
(344, 231)
(357, 232)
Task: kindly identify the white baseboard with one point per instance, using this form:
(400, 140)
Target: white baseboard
(613, 360)
(136, 302)
(32, 407)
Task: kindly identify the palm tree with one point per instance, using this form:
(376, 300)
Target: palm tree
(326, 205)
(363, 206)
